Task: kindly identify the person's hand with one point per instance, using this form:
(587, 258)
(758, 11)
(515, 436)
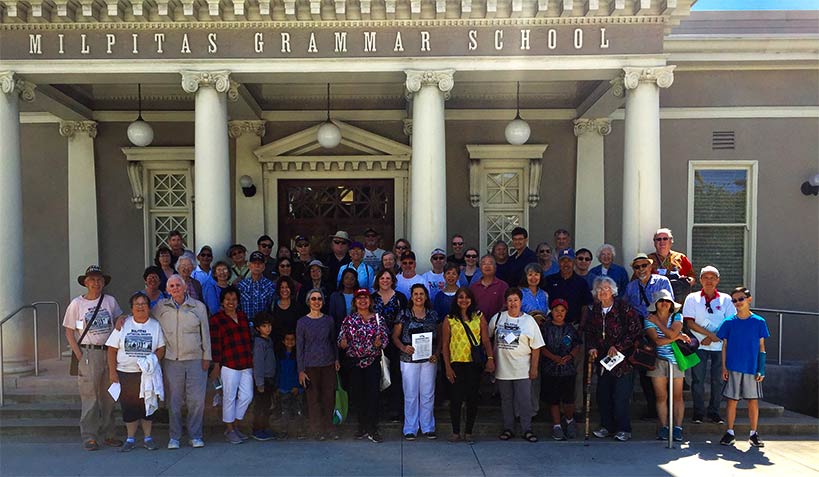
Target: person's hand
(532, 373)
(113, 376)
(343, 343)
(409, 349)
(450, 374)
(690, 280)
(377, 342)
(120, 321)
(303, 379)
(557, 359)
(294, 391)
(759, 378)
(706, 341)
(654, 318)
(433, 358)
(217, 371)
(260, 389)
(593, 353)
(612, 352)
(490, 366)
(205, 364)
(685, 338)
(725, 375)
(566, 359)
(338, 365)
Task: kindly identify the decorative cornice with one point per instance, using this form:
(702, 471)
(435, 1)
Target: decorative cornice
(10, 85)
(219, 80)
(238, 128)
(532, 154)
(70, 128)
(662, 75)
(601, 126)
(442, 79)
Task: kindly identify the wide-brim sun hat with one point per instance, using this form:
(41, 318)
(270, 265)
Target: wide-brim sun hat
(663, 295)
(93, 270)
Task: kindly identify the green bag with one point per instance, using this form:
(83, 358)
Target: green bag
(683, 361)
(342, 403)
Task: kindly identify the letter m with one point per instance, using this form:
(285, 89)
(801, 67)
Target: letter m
(341, 41)
(35, 44)
(369, 41)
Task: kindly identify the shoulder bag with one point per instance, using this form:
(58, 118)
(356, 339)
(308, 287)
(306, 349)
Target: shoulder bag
(74, 368)
(476, 349)
(386, 381)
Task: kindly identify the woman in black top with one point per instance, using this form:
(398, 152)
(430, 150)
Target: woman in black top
(286, 309)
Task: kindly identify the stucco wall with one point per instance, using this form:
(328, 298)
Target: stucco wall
(742, 88)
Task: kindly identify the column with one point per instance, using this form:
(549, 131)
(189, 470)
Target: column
(590, 199)
(17, 333)
(249, 210)
(641, 160)
(82, 199)
(429, 90)
(212, 200)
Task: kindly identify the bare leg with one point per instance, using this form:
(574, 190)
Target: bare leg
(661, 392)
(679, 405)
(554, 409)
(731, 411)
(568, 411)
(753, 413)
(131, 427)
(146, 427)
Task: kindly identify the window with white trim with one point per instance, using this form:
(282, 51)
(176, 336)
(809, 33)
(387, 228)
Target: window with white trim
(721, 217)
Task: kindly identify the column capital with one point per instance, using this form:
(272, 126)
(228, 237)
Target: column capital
(11, 85)
(233, 91)
(442, 79)
(407, 127)
(601, 126)
(662, 75)
(70, 128)
(219, 80)
(238, 128)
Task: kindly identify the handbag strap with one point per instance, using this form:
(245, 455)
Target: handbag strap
(93, 317)
(472, 340)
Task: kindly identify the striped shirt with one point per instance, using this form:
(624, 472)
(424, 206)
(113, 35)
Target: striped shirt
(664, 351)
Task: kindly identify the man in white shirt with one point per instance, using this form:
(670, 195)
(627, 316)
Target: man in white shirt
(407, 278)
(434, 279)
(704, 311)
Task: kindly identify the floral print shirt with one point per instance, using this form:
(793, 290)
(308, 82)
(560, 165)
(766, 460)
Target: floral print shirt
(391, 309)
(361, 335)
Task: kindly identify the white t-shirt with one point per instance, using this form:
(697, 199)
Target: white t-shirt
(435, 282)
(134, 341)
(373, 258)
(78, 316)
(515, 338)
(694, 307)
(405, 284)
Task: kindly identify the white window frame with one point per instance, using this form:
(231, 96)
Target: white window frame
(752, 168)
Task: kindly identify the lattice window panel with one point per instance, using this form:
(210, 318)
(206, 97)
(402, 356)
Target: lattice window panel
(169, 190)
(162, 224)
(312, 202)
(499, 226)
(503, 189)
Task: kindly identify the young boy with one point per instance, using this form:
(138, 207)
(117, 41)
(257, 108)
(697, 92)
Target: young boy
(743, 363)
(557, 386)
(290, 391)
(264, 373)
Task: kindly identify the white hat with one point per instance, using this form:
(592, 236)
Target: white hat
(709, 268)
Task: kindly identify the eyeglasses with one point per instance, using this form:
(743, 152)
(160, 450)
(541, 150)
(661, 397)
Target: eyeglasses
(407, 262)
(640, 266)
(285, 265)
(544, 251)
(316, 298)
(738, 300)
(140, 304)
(584, 259)
(339, 242)
(662, 239)
(205, 255)
(266, 245)
(470, 256)
(457, 244)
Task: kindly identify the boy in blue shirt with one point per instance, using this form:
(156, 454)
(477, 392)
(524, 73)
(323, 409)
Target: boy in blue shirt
(291, 394)
(743, 363)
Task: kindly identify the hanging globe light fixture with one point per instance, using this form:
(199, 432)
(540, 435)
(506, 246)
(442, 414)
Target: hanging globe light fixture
(517, 131)
(328, 134)
(140, 133)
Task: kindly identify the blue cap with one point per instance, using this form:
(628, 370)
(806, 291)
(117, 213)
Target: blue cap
(566, 253)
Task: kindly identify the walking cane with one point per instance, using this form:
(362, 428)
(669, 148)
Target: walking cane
(589, 367)
(670, 405)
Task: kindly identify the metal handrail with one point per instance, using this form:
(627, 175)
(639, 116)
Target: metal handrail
(780, 314)
(59, 325)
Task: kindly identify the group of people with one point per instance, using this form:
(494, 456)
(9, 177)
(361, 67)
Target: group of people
(276, 330)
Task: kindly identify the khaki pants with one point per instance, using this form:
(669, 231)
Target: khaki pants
(96, 420)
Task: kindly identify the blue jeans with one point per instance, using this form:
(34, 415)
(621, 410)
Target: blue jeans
(614, 399)
(698, 373)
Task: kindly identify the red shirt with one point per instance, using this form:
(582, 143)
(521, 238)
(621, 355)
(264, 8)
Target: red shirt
(490, 298)
(231, 344)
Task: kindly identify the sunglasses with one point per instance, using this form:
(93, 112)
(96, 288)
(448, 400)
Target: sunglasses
(640, 267)
(339, 242)
(371, 235)
(285, 265)
(470, 256)
(662, 239)
(738, 300)
(544, 251)
(457, 244)
(400, 247)
(584, 259)
(302, 244)
(408, 262)
(316, 298)
(205, 255)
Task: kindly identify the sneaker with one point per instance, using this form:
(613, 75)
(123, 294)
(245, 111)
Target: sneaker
(622, 436)
(557, 433)
(113, 442)
(232, 437)
(662, 434)
(375, 437)
(150, 444)
(697, 419)
(90, 445)
(430, 435)
(128, 446)
(241, 435)
(320, 437)
(728, 439)
(571, 429)
(359, 435)
(677, 434)
(173, 444)
(197, 443)
(601, 433)
(716, 419)
(409, 436)
(262, 435)
(755, 440)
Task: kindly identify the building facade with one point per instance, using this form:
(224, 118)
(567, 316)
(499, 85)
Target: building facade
(641, 114)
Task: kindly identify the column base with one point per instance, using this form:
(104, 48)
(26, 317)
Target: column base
(17, 366)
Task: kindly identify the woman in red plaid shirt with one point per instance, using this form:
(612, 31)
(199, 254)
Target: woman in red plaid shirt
(232, 351)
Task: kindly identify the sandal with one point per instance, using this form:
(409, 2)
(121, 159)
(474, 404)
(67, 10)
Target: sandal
(506, 435)
(529, 436)
(90, 445)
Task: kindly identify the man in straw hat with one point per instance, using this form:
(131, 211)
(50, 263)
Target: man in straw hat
(88, 321)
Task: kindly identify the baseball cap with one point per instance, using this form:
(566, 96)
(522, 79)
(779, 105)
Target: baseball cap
(566, 253)
(711, 269)
(257, 257)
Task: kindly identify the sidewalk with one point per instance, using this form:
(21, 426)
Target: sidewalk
(64, 456)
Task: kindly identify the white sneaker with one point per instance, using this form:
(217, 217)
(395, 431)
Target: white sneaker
(601, 433)
(197, 443)
(173, 444)
(622, 436)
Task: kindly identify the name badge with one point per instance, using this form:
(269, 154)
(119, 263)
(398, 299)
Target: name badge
(79, 324)
(662, 271)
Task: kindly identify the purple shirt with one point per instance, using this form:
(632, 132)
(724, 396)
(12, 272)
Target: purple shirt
(315, 342)
(490, 298)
